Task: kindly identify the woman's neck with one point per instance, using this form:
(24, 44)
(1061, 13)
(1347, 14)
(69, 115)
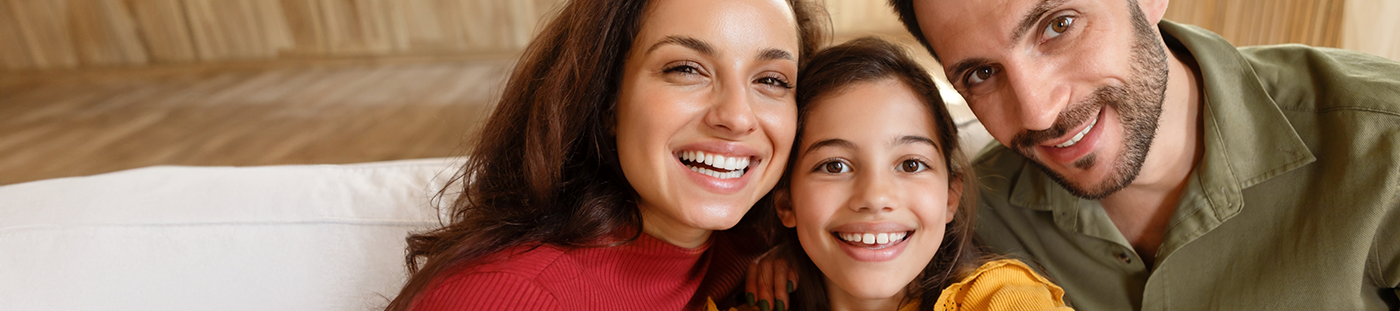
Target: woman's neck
(843, 301)
(670, 231)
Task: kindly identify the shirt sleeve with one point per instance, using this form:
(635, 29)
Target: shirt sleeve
(487, 291)
(1003, 285)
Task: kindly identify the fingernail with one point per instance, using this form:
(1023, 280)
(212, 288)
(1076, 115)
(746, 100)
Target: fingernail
(763, 305)
(749, 296)
(779, 304)
(790, 286)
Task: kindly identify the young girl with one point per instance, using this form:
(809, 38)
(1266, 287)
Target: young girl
(880, 198)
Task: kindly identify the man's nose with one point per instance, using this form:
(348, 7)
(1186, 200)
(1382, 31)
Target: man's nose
(1040, 94)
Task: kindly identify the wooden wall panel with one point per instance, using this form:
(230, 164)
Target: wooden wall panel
(305, 26)
(14, 53)
(44, 26)
(45, 34)
(105, 33)
(1311, 22)
(164, 30)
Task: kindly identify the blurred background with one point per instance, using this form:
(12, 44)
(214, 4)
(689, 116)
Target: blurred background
(94, 86)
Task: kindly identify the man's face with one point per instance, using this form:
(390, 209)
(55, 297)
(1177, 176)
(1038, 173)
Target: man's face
(1074, 85)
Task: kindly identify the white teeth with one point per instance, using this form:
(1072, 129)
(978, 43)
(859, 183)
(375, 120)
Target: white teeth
(873, 238)
(734, 165)
(712, 173)
(898, 236)
(1079, 136)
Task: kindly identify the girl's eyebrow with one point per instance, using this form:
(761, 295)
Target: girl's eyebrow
(831, 142)
(915, 139)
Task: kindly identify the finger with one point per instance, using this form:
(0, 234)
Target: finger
(764, 292)
(751, 283)
(781, 289)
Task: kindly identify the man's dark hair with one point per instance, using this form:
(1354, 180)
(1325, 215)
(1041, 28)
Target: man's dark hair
(905, 10)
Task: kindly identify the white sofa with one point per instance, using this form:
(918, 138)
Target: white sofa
(302, 237)
(296, 237)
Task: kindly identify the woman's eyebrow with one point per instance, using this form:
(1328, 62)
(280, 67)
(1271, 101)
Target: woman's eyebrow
(775, 54)
(688, 42)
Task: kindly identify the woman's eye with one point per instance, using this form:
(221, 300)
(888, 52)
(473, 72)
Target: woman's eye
(835, 167)
(912, 166)
(774, 81)
(682, 69)
(1057, 27)
(979, 75)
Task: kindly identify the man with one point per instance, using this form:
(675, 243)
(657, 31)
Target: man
(1161, 168)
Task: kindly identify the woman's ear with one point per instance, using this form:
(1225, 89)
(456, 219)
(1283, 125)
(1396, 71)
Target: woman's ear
(612, 123)
(955, 192)
(782, 202)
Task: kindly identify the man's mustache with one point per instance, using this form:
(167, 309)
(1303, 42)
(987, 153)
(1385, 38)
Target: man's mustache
(1068, 119)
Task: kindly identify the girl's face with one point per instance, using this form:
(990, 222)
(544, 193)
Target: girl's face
(707, 112)
(870, 193)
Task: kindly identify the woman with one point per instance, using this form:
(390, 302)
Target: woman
(627, 134)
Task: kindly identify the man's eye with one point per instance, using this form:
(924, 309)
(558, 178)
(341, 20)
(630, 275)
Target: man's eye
(1057, 27)
(835, 167)
(979, 75)
(912, 166)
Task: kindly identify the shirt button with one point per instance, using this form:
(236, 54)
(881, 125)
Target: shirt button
(1125, 258)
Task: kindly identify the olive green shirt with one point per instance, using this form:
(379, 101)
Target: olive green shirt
(1295, 204)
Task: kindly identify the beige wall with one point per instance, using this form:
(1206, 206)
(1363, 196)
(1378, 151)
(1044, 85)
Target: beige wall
(1372, 26)
(56, 34)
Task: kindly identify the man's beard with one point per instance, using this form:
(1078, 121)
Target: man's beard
(1139, 104)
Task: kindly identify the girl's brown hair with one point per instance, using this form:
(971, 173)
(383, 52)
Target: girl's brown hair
(544, 168)
(866, 60)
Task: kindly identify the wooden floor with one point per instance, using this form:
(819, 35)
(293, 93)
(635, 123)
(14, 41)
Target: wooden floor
(74, 124)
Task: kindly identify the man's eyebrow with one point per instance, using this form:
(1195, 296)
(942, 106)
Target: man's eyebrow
(833, 142)
(688, 42)
(775, 54)
(912, 139)
(1029, 20)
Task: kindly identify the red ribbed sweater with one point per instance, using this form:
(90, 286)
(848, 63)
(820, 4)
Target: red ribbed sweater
(646, 274)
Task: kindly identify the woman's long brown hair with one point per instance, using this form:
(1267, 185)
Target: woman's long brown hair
(544, 168)
(864, 60)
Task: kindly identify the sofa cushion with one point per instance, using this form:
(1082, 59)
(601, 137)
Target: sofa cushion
(300, 237)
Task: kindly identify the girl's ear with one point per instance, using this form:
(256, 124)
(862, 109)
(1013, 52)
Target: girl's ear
(955, 192)
(782, 202)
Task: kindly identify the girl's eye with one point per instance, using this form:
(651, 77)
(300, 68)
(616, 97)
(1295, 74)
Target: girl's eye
(834, 167)
(1057, 27)
(912, 166)
(774, 81)
(979, 75)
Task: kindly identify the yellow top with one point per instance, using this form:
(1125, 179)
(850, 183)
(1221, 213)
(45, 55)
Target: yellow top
(1005, 284)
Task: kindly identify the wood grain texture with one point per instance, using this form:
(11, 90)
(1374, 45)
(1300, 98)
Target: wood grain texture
(78, 123)
(55, 34)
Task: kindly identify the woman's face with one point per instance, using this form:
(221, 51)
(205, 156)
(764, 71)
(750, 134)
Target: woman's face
(707, 112)
(870, 194)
